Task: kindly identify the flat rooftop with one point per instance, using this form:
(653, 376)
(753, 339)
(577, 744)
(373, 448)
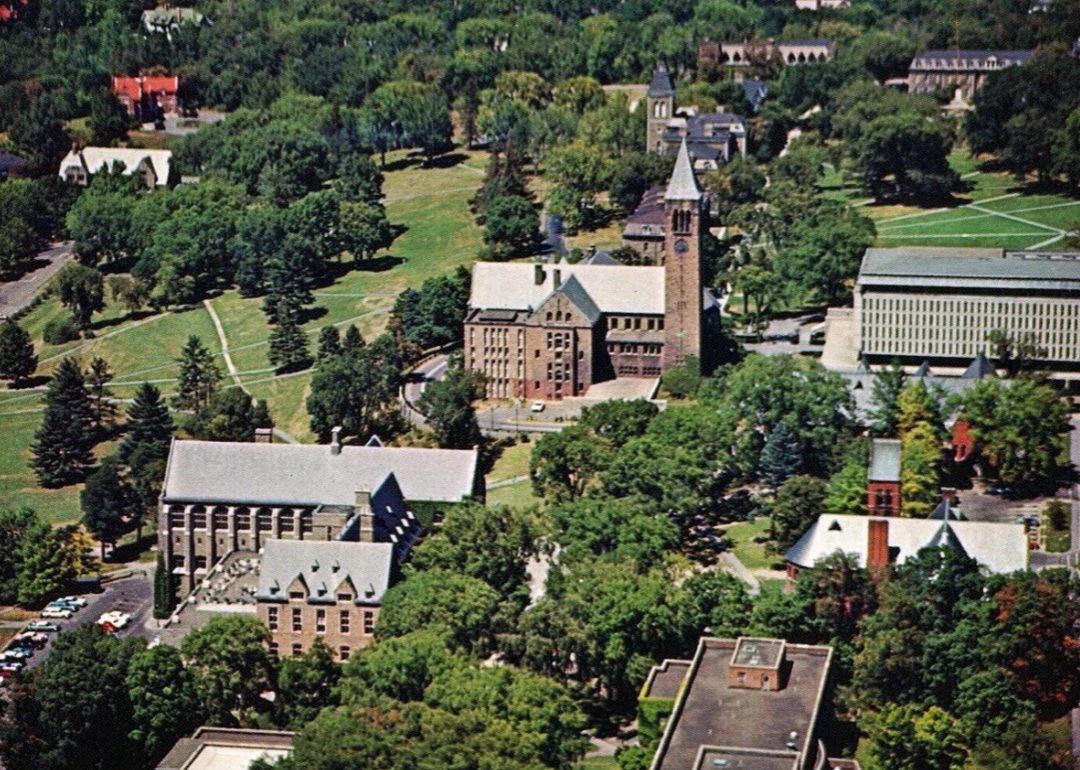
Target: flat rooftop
(723, 758)
(764, 653)
(664, 680)
(924, 266)
(219, 748)
(711, 714)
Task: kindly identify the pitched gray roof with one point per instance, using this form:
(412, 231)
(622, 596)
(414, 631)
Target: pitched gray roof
(884, 459)
(946, 511)
(576, 293)
(297, 474)
(661, 81)
(614, 288)
(683, 185)
(957, 268)
(602, 257)
(978, 368)
(323, 566)
(947, 59)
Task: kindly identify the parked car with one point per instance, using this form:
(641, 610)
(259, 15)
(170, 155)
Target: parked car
(57, 612)
(35, 639)
(76, 601)
(1000, 490)
(537, 406)
(13, 665)
(64, 603)
(42, 625)
(16, 653)
(115, 618)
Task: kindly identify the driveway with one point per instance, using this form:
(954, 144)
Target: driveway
(15, 295)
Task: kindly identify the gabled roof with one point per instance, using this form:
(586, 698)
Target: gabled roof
(661, 81)
(135, 87)
(683, 185)
(946, 511)
(946, 538)
(93, 159)
(602, 257)
(322, 566)
(923, 370)
(614, 288)
(299, 474)
(575, 292)
(980, 367)
(1000, 547)
(884, 460)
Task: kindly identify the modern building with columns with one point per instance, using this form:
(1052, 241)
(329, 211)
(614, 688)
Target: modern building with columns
(220, 497)
(941, 305)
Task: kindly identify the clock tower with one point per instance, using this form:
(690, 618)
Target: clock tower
(683, 279)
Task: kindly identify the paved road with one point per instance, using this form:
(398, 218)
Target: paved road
(15, 295)
(133, 595)
(418, 380)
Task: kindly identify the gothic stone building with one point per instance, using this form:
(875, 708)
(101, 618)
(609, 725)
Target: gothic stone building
(947, 71)
(550, 331)
(220, 496)
(711, 137)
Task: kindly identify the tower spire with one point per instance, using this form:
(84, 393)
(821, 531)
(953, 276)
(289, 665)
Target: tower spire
(683, 185)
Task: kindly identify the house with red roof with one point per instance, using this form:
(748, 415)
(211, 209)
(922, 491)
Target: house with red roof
(147, 97)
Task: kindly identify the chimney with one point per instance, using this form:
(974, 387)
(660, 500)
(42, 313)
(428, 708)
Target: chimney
(557, 274)
(592, 249)
(362, 508)
(877, 545)
(948, 494)
(264, 435)
(538, 274)
(335, 440)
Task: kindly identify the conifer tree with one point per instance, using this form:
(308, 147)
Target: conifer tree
(149, 426)
(261, 416)
(105, 501)
(329, 343)
(288, 344)
(199, 375)
(17, 359)
(63, 442)
(352, 341)
(885, 399)
(163, 590)
(780, 458)
(97, 383)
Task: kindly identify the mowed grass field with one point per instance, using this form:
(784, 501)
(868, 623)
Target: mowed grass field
(431, 204)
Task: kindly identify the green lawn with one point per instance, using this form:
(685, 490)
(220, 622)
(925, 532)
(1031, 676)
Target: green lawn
(519, 495)
(750, 553)
(438, 234)
(513, 462)
(598, 763)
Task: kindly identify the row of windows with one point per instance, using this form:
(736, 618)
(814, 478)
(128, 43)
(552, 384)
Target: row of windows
(648, 349)
(273, 620)
(632, 370)
(344, 651)
(219, 518)
(178, 561)
(637, 323)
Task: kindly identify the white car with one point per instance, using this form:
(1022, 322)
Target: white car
(115, 618)
(77, 601)
(57, 612)
(537, 406)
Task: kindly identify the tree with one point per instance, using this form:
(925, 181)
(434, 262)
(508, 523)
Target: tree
(165, 704)
(579, 173)
(230, 416)
(465, 607)
(512, 226)
(907, 737)
(922, 403)
(885, 397)
(329, 343)
(18, 242)
(352, 341)
(164, 591)
(149, 426)
(17, 359)
(799, 501)
(105, 502)
(564, 464)
(579, 94)
(64, 440)
(920, 475)
(723, 602)
(1016, 353)
(620, 529)
(780, 458)
(684, 380)
(288, 344)
(306, 685)
(618, 421)
(356, 390)
(108, 120)
(46, 566)
(447, 404)
(847, 487)
(232, 668)
(904, 155)
(102, 409)
(199, 375)
(82, 290)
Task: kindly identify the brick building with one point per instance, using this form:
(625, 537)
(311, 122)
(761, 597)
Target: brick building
(710, 137)
(220, 496)
(883, 477)
(947, 71)
(644, 229)
(147, 97)
(551, 330)
(312, 590)
(740, 56)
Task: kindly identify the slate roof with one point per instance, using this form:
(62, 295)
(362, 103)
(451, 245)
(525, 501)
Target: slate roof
(884, 460)
(947, 59)
(661, 81)
(9, 161)
(755, 90)
(306, 474)
(1000, 547)
(683, 184)
(575, 292)
(613, 288)
(602, 257)
(96, 158)
(946, 510)
(649, 213)
(958, 268)
(978, 368)
(322, 566)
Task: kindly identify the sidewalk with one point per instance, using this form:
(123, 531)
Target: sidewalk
(15, 295)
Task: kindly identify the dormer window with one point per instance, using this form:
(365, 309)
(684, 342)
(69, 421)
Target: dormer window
(344, 597)
(296, 594)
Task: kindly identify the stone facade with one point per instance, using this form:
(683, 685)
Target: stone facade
(947, 71)
(740, 55)
(343, 626)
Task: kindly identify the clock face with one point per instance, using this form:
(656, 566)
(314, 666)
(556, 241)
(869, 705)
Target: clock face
(681, 247)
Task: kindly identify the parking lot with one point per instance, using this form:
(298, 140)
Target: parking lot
(132, 595)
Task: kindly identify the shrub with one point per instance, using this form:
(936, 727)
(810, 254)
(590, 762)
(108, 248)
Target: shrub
(60, 330)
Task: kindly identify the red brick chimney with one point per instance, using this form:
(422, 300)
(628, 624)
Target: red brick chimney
(877, 545)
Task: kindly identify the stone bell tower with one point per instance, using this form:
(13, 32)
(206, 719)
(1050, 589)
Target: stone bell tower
(683, 279)
(660, 102)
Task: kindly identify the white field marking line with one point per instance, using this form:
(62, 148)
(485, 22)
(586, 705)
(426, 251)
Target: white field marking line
(113, 333)
(224, 345)
(904, 236)
(1028, 222)
(994, 213)
(945, 208)
(318, 329)
(1045, 243)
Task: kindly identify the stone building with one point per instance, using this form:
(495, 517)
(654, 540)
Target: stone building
(548, 331)
(941, 304)
(756, 704)
(644, 230)
(153, 167)
(739, 56)
(711, 137)
(312, 590)
(147, 97)
(948, 71)
(883, 477)
(219, 497)
(227, 748)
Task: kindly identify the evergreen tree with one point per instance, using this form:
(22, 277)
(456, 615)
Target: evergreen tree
(164, 594)
(199, 375)
(329, 343)
(885, 399)
(149, 426)
(352, 341)
(781, 457)
(288, 344)
(97, 382)
(105, 501)
(63, 442)
(17, 359)
(261, 416)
